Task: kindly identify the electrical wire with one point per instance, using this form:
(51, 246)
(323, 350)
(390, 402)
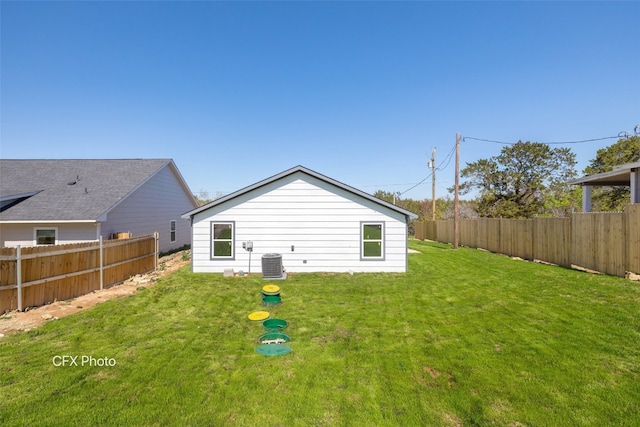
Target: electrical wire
(552, 142)
(427, 177)
(389, 185)
(447, 158)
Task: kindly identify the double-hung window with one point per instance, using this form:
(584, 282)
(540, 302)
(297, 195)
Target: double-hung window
(172, 228)
(372, 240)
(222, 240)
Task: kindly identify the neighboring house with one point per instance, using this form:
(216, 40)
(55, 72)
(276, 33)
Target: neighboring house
(627, 174)
(315, 223)
(69, 201)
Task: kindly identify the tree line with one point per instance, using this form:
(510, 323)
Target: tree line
(529, 179)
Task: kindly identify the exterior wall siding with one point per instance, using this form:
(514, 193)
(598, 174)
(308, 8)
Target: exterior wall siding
(312, 223)
(12, 235)
(150, 209)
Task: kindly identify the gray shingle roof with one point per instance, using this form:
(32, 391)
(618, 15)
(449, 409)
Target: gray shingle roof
(70, 190)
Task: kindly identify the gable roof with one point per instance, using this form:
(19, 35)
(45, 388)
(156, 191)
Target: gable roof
(221, 200)
(74, 190)
(620, 175)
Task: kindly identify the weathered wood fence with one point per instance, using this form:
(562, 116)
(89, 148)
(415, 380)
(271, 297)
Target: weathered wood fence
(604, 242)
(38, 275)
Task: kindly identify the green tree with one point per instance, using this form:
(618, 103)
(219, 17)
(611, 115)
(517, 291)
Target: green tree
(423, 208)
(411, 205)
(613, 198)
(521, 181)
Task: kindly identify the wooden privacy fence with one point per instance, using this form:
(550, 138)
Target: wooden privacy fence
(38, 275)
(605, 242)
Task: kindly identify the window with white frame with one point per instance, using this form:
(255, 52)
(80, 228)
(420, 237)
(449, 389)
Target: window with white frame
(172, 229)
(45, 236)
(222, 240)
(372, 240)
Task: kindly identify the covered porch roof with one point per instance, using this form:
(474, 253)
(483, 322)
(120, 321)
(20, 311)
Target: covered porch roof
(625, 175)
(620, 175)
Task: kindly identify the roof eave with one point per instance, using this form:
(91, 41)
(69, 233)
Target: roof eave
(604, 179)
(299, 168)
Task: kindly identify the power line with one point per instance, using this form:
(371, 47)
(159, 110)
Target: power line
(449, 156)
(390, 185)
(447, 159)
(405, 191)
(623, 134)
(620, 135)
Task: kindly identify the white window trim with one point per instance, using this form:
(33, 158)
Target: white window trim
(35, 235)
(382, 241)
(233, 240)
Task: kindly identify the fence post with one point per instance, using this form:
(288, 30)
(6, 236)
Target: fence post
(19, 276)
(101, 265)
(156, 250)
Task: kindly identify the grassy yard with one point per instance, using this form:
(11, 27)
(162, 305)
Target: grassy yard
(465, 338)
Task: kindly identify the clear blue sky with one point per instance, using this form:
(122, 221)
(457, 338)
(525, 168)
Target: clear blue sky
(236, 92)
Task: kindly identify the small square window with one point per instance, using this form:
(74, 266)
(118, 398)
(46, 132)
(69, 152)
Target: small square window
(45, 236)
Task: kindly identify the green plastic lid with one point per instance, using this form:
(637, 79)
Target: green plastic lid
(271, 300)
(273, 349)
(274, 324)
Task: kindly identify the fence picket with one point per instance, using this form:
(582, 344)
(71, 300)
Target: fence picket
(51, 273)
(605, 242)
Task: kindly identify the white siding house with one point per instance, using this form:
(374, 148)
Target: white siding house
(316, 223)
(156, 206)
(80, 200)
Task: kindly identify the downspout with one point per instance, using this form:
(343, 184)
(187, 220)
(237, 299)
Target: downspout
(406, 243)
(586, 198)
(191, 222)
(635, 185)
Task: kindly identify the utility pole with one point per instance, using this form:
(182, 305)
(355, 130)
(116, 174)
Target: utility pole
(456, 200)
(433, 183)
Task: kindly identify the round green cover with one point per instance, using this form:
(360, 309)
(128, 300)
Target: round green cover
(273, 349)
(274, 324)
(271, 300)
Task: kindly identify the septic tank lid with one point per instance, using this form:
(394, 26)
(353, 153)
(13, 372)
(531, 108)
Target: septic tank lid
(258, 315)
(271, 289)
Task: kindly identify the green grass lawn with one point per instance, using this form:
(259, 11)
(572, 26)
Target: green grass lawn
(465, 338)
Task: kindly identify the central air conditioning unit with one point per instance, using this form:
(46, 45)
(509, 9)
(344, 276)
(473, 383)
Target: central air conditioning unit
(272, 266)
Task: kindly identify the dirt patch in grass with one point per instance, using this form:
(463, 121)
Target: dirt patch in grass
(433, 372)
(15, 321)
